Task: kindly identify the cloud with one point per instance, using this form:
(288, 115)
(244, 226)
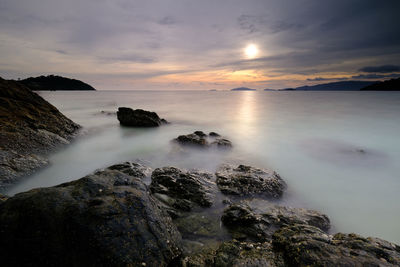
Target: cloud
(319, 79)
(135, 58)
(375, 76)
(381, 69)
(262, 23)
(168, 20)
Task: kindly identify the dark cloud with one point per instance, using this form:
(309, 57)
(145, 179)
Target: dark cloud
(303, 37)
(375, 76)
(381, 69)
(320, 79)
(168, 20)
(262, 23)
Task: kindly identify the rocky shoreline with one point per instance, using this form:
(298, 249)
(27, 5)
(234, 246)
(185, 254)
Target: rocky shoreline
(30, 128)
(113, 217)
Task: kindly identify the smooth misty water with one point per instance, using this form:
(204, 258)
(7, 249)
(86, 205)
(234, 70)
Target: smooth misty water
(338, 151)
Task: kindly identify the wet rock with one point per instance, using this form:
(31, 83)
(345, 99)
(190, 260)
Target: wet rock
(192, 139)
(200, 139)
(214, 134)
(138, 118)
(244, 223)
(246, 180)
(182, 190)
(235, 253)
(222, 143)
(305, 245)
(134, 169)
(104, 219)
(30, 127)
(199, 225)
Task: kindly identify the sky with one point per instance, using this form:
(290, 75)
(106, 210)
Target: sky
(200, 45)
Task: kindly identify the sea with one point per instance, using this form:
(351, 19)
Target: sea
(339, 152)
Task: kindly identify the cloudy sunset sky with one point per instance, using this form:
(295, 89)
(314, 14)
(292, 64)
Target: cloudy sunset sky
(187, 44)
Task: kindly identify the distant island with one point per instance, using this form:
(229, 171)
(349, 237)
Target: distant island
(390, 85)
(243, 89)
(55, 83)
(334, 86)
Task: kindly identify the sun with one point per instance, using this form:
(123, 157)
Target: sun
(251, 51)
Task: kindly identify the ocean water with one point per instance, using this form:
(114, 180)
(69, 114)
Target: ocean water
(339, 152)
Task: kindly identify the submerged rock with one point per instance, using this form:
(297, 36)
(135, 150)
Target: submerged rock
(200, 139)
(306, 245)
(182, 190)
(30, 127)
(246, 180)
(104, 219)
(138, 118)
(244, 223)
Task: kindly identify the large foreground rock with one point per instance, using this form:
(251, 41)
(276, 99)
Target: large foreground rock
(182, 190)
(305, 245)
(244, 223)
(138, 118)
(29, 128)
(246, 180)
(200, 139)
(104, 219)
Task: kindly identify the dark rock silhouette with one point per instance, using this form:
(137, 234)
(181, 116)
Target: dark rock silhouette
(29, 128)
(138, 118)
(55, 83)
(200, 139)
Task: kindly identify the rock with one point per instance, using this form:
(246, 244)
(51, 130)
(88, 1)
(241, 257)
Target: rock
(133, 169)
(235, 253)
(182, 190)
(306, 245)
(246, 180)
(30, 127)
(199, 225)
(244, 223)
(222, 143)
(200, 139)
(104, 219)
(192, 139)
(138, 118)
(214, 134)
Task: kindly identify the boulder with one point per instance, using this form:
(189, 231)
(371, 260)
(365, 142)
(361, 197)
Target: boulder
(134, 169)
(246, 180)
(200, 139)
(244, 223)
(138, 118)
(104, 219)
(182, 190)
(306, 245)
(30, 128)
(235, 253)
